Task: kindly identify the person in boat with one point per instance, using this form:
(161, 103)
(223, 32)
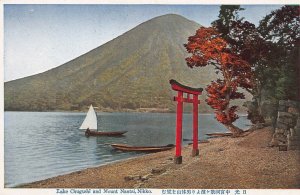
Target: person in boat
(87, 132)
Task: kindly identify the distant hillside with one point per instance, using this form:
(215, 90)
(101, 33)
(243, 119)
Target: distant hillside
(129, 72)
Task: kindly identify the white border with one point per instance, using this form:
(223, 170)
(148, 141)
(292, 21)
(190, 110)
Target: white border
(10, 191)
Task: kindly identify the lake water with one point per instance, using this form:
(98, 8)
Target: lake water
(39, 145)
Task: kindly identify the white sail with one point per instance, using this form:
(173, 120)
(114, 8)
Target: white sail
(90, 120)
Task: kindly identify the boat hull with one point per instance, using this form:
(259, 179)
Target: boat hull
(125, 147)
(219, 134)
(101, 133)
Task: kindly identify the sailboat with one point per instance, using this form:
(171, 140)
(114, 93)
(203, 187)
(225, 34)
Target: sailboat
(90, 125)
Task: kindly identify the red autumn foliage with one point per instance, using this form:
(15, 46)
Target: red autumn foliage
(208, 48)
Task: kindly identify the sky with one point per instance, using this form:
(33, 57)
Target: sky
(40, 37)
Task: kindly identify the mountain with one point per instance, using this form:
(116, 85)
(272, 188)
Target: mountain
(132, 71)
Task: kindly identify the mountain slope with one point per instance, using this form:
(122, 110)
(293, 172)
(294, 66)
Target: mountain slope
(131, 71)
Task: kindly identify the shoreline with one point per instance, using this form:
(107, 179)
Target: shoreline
(244, 162)
(241, 114)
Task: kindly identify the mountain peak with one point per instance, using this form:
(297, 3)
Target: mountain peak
(131, 71)
(172, 18)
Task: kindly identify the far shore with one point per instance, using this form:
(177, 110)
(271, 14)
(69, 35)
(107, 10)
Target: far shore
(117, 111)
(156, 110)
(224, 163)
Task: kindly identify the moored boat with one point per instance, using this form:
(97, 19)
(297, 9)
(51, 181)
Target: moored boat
(219, 134)
(104, 133)
(125, 147)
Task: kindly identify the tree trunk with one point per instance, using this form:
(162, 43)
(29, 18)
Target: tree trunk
(254, 108)
(236, 132)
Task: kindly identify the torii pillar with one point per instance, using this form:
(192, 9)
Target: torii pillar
(181, 89)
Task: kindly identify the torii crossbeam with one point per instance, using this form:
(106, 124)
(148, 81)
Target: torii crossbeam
(181, 89)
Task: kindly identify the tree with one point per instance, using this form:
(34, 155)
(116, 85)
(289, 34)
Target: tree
(209, 48)
(281, 29)
(272, 50)
(228, 17)
(241, 35)
(244, 40)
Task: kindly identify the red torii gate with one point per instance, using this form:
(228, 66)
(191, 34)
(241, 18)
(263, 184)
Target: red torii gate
(180, 99)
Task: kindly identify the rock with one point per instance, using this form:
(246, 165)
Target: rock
(293, 147)
(280, 125)
(282, 108)
(293, 104)
(127, 178)
(282, 143)
(293, 143)
(294, 138)
(282, 148)
(146, 177)
(280, 137)
(157, 171)
(290, 121)
(297, 130)
(279, 131)
(280, 120)
(298, 122)
(134, 177)
(288, 124)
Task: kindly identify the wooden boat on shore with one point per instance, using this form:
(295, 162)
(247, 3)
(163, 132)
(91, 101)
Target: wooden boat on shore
(91, 125)
(125, 147)
(219, 134)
